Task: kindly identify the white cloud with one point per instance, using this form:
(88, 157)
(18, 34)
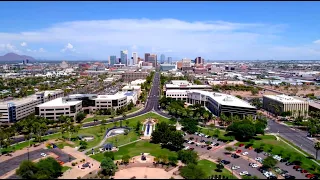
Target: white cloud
(41, 50)
(8, 48)
(68, 47)
(317, 41)
(23, 44)
(175, 38)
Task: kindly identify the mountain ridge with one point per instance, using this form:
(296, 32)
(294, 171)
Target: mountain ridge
(15, 57)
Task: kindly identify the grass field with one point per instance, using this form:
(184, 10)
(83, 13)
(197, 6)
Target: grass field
(272, 145)
(106, 117)
(222, 134)
(137, 148)
(97, 132)
(209, 168)
(65, 168)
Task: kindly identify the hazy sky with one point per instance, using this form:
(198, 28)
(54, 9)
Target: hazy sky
(212, 30)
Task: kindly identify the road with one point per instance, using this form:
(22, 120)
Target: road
(299, 138)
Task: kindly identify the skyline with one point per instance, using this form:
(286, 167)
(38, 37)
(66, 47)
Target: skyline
(96, 30)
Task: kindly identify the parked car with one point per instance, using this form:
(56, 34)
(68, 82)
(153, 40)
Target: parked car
(289, 177)
(225, 162)
(209, 147)
(245, 153)
(289, 163)
(303, 171)
(240, 145)
(235, 156)
(186, 148)
(43, 154)
(203, 146)
(235, 167)
(258, 158)
(243, 173)
(238, 151)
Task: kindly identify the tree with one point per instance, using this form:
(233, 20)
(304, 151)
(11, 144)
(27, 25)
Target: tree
(254, 91)
(80, 116)
(83, 145)
(108, 167)
(173, 160)
(125, 159)
(243, 129)
(190, 125)
(138, 125)
(48, 168)
(109, 154)
(103, 123)
(27, 170)
(127, 123)
(269, 162)
(192, 171)
(317, 148)
(219, 167)
(188, 156)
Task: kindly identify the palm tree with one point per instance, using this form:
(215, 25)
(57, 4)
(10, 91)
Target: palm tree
(317, 148)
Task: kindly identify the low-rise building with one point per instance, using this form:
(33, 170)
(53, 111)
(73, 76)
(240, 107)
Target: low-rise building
(131, 76)
(277, 104)
(217, 103)
(17, 109)
(61, 106)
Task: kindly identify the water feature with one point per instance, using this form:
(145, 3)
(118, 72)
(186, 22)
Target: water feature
(148, 130)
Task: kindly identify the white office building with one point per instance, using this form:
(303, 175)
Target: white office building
(61, 106)
(217, 103)
(17, 109)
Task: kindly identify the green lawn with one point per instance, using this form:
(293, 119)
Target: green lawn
(137, 148)
(62, 144)
(222, 135)
(97, 132)
(65, 168)
(209, 167)
(279, 147)
(101, 117)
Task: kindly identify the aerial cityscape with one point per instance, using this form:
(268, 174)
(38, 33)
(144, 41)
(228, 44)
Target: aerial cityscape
(161, 91)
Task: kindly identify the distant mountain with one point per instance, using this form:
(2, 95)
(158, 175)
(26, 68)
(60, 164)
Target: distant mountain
(15, 57)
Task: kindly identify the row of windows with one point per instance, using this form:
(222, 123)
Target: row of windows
(51, 114)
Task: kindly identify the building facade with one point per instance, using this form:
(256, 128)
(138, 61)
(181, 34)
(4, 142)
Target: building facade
(135, 57)
(146, 57)
(17, 109)
(217, 103)
(277, 104)
(131, 76)
(162, 58)
(113, 60)
(124, 57)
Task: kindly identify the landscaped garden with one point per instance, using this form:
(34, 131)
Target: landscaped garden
(97, 132)
(136, 149)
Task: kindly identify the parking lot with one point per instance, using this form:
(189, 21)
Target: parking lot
(14, 162)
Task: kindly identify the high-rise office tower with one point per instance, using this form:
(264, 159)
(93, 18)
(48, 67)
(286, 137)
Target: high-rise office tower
(113, 60)
(162, 58)
(135, 57)
(198, 60)
(169, 60)
(146, 57)
(124, 57)
(153, 59)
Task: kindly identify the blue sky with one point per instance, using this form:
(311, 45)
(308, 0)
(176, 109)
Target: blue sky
(213, 30)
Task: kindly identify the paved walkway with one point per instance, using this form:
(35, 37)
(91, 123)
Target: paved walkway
(75, 171)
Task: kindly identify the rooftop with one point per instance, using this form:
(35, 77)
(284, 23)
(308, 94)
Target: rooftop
(284, 98)
(59, 102)
(110, 97)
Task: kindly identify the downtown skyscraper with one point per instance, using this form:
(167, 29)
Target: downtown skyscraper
(124, 57)
(162, 58)
(112, 60)
(135, 57)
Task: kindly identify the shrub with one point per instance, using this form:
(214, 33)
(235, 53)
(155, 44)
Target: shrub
(73, 164)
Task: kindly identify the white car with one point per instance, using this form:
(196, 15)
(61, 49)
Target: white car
(206, 136)
(267, 174)
(189, 142)
(258, 158)
(254, 165)
(43, 154)
(245, 153)
(196, 133)
(186, 148)
(235, 167)
(276, 157)
(243, 173)
(197, 144)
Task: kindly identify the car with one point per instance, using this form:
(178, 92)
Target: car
(254, 165)
(235, 167)
(225, 162)
(314, 177)
(284, 160)
(267, 154)
(289, 163)
(277, 169)
(209, 147)
(186, 141)
(203, 146)
(296, 167)
(192, 149)
(289, 177)
(267, 174)
(192, 142)
(303, 171)
(245, 153)
(186, 148)
(197, 144)
(43, 154)
(309, 175)
(202, 141)
(189, 142)
(243, 173)
(206, 136)
(258, 158)
(196, 133)
(240, 145)
(272, 177)
(238, 151)
(216, 144)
